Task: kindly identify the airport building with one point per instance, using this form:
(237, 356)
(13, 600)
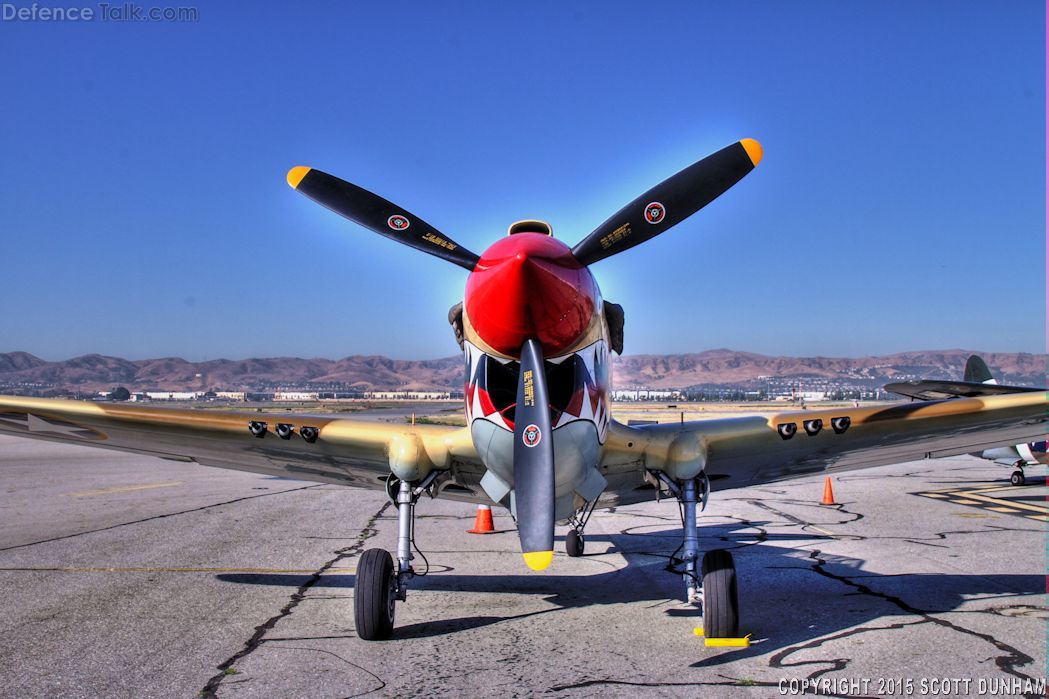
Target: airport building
(640, 394)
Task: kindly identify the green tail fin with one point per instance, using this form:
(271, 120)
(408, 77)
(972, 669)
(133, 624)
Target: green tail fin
(976, 370)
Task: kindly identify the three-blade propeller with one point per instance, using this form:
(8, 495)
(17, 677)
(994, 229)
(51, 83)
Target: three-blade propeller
(665, 205)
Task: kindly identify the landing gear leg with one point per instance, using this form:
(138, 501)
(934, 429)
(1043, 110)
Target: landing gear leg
(406, 500)
(689, 495)
(690, 546)
(716, 591)
(379, 584)
(574, 541)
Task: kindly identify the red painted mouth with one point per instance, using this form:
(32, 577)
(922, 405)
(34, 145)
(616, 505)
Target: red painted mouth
(529, 285)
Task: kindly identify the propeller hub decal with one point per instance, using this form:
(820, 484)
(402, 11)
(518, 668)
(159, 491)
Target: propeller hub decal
(398, 222)
(655, 212)
(532, 435)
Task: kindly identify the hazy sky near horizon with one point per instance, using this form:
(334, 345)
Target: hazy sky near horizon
(900, 204)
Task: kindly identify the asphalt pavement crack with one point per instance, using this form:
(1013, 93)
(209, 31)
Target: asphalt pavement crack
(1009, 659)
(256, 640)
(1007, 662)
(728, 682)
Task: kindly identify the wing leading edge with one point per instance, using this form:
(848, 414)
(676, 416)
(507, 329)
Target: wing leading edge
(742, 451)
(341, 451)
(734, 452)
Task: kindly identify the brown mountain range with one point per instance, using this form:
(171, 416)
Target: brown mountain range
(21, 371)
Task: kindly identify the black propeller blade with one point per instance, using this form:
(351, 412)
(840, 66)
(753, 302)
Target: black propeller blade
(670, 202)
(373, 212)
(534, 460)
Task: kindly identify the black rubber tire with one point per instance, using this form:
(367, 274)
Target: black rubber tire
(1018, 478)
(720, 596)
(574, 544)
(374, 596)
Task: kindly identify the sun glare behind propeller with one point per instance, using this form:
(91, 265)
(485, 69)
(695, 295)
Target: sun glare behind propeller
(667, 204)
(375, 213)
(670, 202)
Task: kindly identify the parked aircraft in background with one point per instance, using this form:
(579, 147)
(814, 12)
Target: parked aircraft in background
(978, 381)
(536, 336)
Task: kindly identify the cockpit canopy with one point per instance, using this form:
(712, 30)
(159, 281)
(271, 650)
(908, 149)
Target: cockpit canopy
(529, 225)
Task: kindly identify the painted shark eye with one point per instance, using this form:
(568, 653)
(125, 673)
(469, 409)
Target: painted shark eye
(787, 430)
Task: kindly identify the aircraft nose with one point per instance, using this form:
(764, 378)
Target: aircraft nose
(529, 286)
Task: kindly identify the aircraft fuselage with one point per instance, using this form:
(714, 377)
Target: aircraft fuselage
(529, 285)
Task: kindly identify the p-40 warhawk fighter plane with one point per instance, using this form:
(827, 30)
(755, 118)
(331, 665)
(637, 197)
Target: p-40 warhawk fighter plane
(536, 336)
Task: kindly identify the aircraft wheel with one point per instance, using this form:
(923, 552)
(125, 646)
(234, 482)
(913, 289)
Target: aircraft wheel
(720, 596)
(1018, 478)
(375, 595)
(574, 544)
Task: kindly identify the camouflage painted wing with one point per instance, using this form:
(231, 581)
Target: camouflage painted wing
(746, 451)
(327, 449)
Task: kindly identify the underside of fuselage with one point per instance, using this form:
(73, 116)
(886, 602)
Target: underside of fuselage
(579, 415)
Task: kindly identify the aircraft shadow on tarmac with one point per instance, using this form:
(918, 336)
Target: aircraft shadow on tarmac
(790, 598)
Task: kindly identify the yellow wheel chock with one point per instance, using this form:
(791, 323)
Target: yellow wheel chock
(723, 642)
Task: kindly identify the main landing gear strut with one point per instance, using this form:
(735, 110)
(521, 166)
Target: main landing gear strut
(378, 586)
(712, 584)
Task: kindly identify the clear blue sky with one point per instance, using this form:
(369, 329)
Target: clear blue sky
(900, 205)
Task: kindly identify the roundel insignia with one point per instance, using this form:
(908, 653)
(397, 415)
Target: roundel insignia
(398, 222)
(532, 435)
(655, 212)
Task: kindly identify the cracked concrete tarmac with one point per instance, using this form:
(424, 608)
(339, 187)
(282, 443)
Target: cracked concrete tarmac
(126, 576)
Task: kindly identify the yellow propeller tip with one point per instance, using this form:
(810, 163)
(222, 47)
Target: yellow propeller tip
(754, 150)
(538, 560)
(296, 174)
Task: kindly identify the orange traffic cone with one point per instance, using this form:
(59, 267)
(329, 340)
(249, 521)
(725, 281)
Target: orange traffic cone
(483, 522)
(828, 493)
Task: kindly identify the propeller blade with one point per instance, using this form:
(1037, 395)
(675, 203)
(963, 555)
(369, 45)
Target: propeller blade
(534, 460)
(375, 213)
(670, 202)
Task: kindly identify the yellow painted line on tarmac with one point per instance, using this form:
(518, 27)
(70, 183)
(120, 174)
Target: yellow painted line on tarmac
(1009, 503)
(995, 488)
(980, 497)
(167, 569)
(824, 531)
(121, 489)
